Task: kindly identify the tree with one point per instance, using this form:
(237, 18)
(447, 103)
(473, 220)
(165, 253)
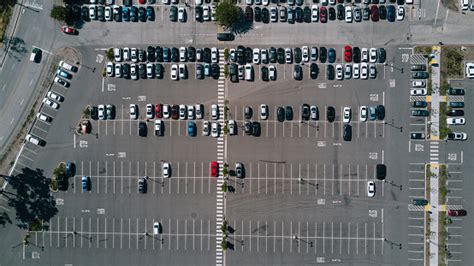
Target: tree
(110, 54)
(227, 13)
(59, 13)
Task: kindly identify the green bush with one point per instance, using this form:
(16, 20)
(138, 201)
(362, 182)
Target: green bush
(58, 13)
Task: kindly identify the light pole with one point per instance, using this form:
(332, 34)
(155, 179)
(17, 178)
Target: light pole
(392, 125)
(297, 239)
(394, 67)
(393, 184)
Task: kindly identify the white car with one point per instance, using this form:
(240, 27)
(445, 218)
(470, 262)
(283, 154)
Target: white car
(35, 140)
(370, 189)
(231, 125)
(339, 74)
(92, 12)
(174, 72)
(101, 112)
(305, 53)
(166, 169)
(182, 111)
(150, 70)
(191, 114)
(166, 111)
(61, 82)
(263, 111)
(364, 71)
(272, 72)
(43, 117)
(348, 14)
(232, 55)
(108, 13)
(364, 55)
(118, 54)
(214, 55)
(314, 13)
(156, 228)
(181, 14)
(183, 71)
(265, 2)
(372, 71)
(158, 127)
(214, 112)
(165, 2)
(264, 56)
(457, 136)
(53, 96)
(456, 121)
(418, 83)
(205, 128)
(50, 103)
(199, 111)
(215, 128)
(347, 71)
(182, 54)
(347, 115)
(241, 72)
(363, 113)
(355, 71)
(134, 55)
(288, 55)
(126, 54)
(469, 70)
(373, 55)
(134, 71)
(110, 69)
(256, 56)
(118, 70)
(273, 14)
(249, 2)
(314, 112)
(400, 13)
(150, 111)
(417, 92)
(133, 111)
(206, 10)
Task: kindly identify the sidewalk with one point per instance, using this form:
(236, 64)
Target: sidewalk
(434, 183)
(10, 31)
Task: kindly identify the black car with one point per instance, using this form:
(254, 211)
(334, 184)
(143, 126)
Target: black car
(126, 71)
(280, 114)
(134, 13)
(340, 12)
(174, 54)
(150, 53)
(423, 113)
(331, 55)
(418, 68)
(298, 72)
(240, 55)
(272, 55)
(382, 12)
(258, 14)
(233, 72)
(215, 71)
(141, 55)
(380, 112)
(264, 73)
(173, 13)
(100, 13)
(455, 112)
(256, 129)
(142, 14)
(330, 72)
(400, 2)
(289, 113)
(356, 54)
(158, 71)
(331, 114)
(248, 127)
(314, 71)
(331, 13)
(419, 104)
(85, 13)
(297, 55)
(249, 14)
(206, 55)
(382, 55)
(281, 56)
(417, 135)
(307, 14)
(455, 91)
(191, 51)
(265, 15)
(142, 185)
(248, 112)
(381, 171)
(298, 14)
(142, 129)
(322, 54)
(248, 55)
(305, 112)
(419, 75)
(159, 54)
(198, 13)
(347, 132)
(94, 113)
(200, 72)
(299, 2)
(142, 71)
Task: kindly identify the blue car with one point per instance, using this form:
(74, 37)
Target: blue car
(86, 183)
(391, 13)
(191, 129)
(60, 72)
(125, 14)
(150, 14)
(331, 55)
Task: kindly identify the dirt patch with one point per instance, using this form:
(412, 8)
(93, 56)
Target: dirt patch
(451, 4)
(6, 11)
(46, 82)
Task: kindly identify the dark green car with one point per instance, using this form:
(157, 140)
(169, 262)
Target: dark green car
(173, 13)
(419, 202)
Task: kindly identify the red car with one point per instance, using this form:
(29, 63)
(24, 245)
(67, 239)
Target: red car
(374, 13)
(323, 14)
(159, 110)
(348, 53)
(214, 169)
(69, 30)
(175, 111)
(457, 213)
(142, 2)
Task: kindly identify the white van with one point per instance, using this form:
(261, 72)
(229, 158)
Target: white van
(68, 66)
(248, 72)
(465, 4)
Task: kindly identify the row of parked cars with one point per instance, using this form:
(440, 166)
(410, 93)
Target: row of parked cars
(156, 70)
(117, 13)
(166, 54)
(324, 14)
(323, 2)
